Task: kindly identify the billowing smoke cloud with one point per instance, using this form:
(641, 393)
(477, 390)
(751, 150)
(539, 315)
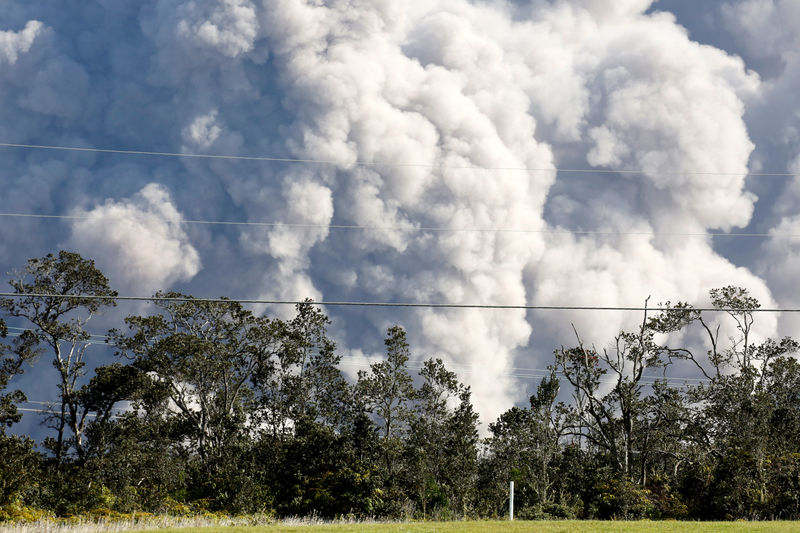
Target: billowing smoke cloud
(769, 33)
(12, 44)
(657, 102)
(138, 242)
(432, 125)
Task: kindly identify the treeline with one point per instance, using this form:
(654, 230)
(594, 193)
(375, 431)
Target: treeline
(210, 407)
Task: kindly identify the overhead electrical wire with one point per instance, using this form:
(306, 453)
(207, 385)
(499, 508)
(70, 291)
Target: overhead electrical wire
(428, 228)
(422, 228)
(407, 228)
(18, 331)
(394, 304)
(378, 163)
(509, 371)
(49, 412)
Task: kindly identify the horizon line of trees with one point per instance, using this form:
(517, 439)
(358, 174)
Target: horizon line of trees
(211, 407)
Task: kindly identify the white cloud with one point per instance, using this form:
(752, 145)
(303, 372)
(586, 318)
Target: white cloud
(138, 242)
(203, 130)
(771, 29)
(230, 26)
(12, 44)
(780, 265)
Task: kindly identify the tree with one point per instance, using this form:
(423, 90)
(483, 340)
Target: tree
(612, 421)
(58, 296)
(19, 468)
(208, 356)
(441, 448)
(460, 476)
(12, 358)
(19, 464)
(310, 420)
(388, 390)
(525, 445)
(734, 409)
(205, 353)
(301, 379)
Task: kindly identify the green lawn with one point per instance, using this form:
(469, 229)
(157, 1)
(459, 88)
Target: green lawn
(516, 526)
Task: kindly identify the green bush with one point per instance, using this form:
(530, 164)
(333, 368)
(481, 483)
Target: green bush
(623, 499)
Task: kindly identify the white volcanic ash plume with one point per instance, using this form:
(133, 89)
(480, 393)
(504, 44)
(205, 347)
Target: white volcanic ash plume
(780, 259)
(462, 85)
(359, 93)
(769, 30)
(138, 242)
(12, 43)
(426, 93)
(658, 102)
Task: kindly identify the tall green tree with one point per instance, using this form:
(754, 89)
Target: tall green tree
(205, 353)
(388, 391)
(207, 356)
(441, 446)
(524, 447)
(58, 295)
(300, 380)
(461, 429)
(310, 423)
(734, 409)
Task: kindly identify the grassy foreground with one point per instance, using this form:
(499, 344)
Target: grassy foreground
(565, 526)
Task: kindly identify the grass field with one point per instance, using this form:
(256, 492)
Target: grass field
(512, 527)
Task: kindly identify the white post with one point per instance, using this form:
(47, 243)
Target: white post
(511, 503)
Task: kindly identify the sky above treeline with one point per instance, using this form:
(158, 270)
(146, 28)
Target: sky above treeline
(472, 155)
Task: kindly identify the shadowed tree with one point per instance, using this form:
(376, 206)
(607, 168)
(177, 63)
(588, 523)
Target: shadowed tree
(387, 390)
(58, 296)
(205, 354)
(734, 411)
(612, 421)
(441, 448)
(19, 464)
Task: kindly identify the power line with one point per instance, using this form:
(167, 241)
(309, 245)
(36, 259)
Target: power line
(380, 164)
(49, 412)
(393, 304)
(516, 372)
(346, 360)
(430, 228)
(94, 335)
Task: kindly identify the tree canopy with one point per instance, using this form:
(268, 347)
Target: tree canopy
(209, 406)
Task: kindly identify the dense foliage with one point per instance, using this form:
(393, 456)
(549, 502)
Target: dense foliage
(211, 407)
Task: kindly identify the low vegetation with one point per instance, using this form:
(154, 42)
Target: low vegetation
(205, 525)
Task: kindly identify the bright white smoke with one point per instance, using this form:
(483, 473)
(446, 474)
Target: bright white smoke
(438, 122)
(769, 30)
(139, 242)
